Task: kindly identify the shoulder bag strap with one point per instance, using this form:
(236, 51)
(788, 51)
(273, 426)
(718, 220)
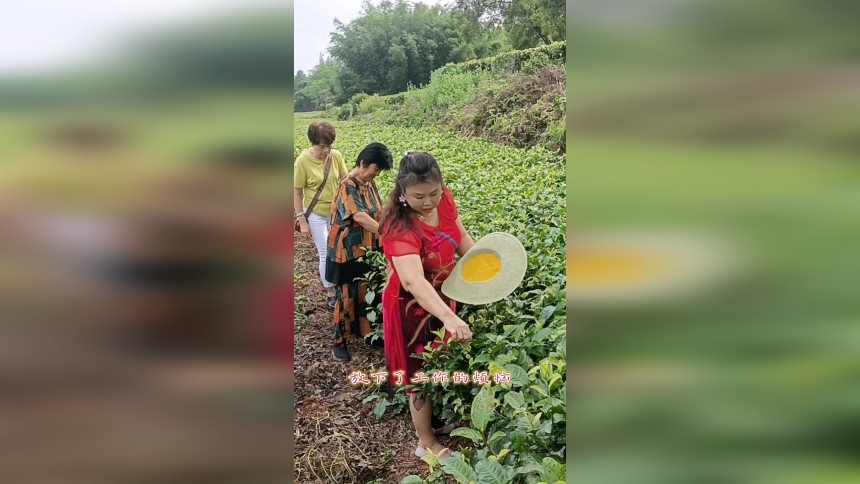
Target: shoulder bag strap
(322, 187)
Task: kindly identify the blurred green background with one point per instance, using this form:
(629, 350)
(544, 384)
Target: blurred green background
(144, 279)
(734, 124)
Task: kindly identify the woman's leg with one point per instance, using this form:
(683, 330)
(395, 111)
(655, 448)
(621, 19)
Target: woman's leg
(344, 312)
(422, 417)
(320, 226)
(339, 349)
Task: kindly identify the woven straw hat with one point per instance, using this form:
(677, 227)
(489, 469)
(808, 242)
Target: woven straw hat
(489, 272)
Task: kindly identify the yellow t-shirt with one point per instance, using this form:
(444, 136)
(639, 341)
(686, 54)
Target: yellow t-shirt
(308, 172)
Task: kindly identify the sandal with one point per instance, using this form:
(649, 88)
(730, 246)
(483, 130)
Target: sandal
(421, 451)
(444, 430)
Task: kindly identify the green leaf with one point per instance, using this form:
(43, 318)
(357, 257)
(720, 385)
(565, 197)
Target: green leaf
(497, 435)
(539, 390)
(503, 453)
(483, 358)
(371, 398)
(505, 358)
(546, 313)
(492, 472)
(529, 468)
(379, 410)
(552, 470)
(543, 334)
(482, 408)
(519, 376)
(515, 399)
(369, 297)
(520, 436)
(494, 370)
(412, 480)
(371, 316)
(471, 434)
(431, 460)
(461, 471)
(561, 349)
(546, 427)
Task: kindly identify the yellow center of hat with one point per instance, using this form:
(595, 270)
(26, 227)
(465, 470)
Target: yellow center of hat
(482, 267)
(611, 266)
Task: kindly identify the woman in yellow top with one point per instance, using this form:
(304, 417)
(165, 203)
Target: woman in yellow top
(308, 172)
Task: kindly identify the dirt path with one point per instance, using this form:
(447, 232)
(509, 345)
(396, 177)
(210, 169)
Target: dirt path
(337, 438)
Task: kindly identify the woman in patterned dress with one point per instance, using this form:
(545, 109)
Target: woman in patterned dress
(356, 212)
(421, 233)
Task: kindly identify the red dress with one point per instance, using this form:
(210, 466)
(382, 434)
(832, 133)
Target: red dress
(408, 327)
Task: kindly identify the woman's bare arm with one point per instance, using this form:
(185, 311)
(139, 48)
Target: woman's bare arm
(298, 199)
(367, 222)
(411, 274)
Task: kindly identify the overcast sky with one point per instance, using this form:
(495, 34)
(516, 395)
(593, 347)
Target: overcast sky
(43, 35)
(314, 22)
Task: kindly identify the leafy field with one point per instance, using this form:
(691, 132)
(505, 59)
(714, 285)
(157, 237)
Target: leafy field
(517, 429)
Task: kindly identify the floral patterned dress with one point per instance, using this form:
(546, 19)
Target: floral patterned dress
(347, 240)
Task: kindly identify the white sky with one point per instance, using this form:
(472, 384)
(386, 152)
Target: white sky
(314, 22)
(43, 35)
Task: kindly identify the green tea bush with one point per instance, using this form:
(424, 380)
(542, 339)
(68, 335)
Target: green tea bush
(344, 112)
(488, 97)
(535, 62)
(395, 99)
(446, 93)
(356, 100)
(554, 54)
(372, 104)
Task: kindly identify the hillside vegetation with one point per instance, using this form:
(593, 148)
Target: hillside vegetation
(516, 98)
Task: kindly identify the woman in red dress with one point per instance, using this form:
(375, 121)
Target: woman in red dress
(421, 233)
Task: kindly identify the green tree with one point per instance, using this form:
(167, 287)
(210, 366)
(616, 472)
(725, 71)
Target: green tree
(392, 45)
(319, 89)
(302, 100)
(527, 23)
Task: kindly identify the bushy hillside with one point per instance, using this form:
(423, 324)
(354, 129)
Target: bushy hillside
(517, 98)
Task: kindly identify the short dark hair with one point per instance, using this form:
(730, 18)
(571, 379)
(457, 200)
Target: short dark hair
(376, 154)
(321, 132)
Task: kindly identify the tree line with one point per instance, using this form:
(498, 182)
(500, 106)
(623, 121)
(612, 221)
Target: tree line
(395, 45)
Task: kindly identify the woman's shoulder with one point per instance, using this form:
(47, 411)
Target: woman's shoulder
(398, 241)
(348, 184)
(304, 157)
(398, 231)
